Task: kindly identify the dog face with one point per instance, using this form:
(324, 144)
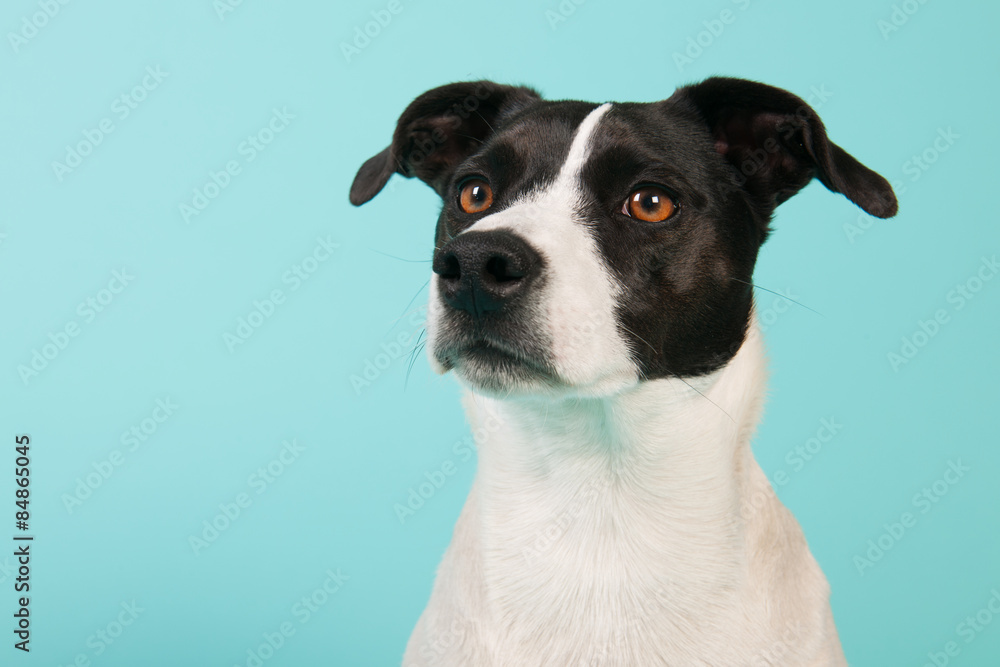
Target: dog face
(583, 248)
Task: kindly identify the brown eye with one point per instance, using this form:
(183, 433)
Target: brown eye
(649, 204)
(475, 196)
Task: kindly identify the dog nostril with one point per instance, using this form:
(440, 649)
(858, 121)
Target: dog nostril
(485, 272)
(451, 269)
(501, 270)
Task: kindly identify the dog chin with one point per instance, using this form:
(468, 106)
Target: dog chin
(502, 383)
(491, 371)
(505, 377)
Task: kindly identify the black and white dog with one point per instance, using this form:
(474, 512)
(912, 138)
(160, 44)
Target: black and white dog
(592, 291)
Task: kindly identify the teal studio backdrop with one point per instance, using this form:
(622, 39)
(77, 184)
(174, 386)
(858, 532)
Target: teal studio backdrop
(208, 346)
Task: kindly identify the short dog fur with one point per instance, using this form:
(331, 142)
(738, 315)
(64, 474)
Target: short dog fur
(614, 373)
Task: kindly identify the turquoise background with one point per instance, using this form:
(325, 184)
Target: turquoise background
(884, 97)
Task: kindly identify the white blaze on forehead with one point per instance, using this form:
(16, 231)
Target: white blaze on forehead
(577, 302)
(580, 148)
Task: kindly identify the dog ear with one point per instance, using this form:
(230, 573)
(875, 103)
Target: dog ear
(437, 131)
(776, 144)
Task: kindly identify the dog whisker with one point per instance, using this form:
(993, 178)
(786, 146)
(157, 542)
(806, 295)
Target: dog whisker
(783, 296)
(406, 310)
(467, 136)
(415, 261)
(414, 354)
(486, 121)
(655, 351)
(706, 398)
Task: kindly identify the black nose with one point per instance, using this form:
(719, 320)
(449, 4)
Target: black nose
(482, 272)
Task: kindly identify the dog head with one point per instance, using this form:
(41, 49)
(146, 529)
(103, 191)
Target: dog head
(582, 248)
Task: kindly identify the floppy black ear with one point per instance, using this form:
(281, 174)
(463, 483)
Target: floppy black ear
(437, 131)
(776, 144)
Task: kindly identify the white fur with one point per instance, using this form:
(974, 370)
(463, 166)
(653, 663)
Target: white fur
(624, 523)
(631, 530)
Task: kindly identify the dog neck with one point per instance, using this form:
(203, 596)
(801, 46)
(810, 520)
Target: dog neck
(635, 502)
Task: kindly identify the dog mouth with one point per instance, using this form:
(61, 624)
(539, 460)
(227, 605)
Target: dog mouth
(497, 364)
(486, 352)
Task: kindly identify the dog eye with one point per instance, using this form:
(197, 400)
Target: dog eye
(649, 204)
(475, 196)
